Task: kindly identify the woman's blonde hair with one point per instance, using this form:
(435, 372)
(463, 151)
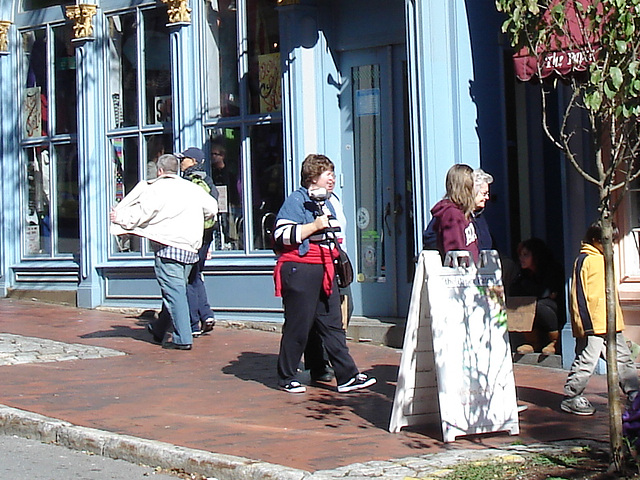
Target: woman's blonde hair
(460, 188)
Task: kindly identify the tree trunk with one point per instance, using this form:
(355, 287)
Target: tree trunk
(615, 413)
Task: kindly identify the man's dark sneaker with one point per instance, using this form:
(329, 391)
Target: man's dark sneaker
(577, 405)
(176, 346)
(324, 377)
(208, 324)
(294, 386)
(156, 338)
(361, 380)
(196, 333)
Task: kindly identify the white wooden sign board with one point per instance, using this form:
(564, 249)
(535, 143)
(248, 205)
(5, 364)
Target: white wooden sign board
(456, 361)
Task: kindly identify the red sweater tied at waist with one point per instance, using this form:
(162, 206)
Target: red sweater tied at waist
(316, 255)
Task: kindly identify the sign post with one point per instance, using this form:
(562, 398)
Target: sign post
(456, 362)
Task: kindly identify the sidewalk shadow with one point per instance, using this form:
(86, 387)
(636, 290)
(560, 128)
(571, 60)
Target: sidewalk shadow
(254, 367)
(122, 331)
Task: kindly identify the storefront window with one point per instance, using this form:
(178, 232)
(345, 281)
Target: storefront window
(221, 47)
(65, 80)
(226, 173)
(250, 137)
(139, 80)
(51, 207)
(265, 86)
(267, 180)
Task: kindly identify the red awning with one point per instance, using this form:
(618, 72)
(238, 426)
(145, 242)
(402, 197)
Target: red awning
(564, 55)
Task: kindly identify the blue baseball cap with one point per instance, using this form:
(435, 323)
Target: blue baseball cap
(192, 152)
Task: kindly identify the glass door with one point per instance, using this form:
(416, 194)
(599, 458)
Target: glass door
(375, 191)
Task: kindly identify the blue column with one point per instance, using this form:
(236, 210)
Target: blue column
(92, 173)
(186, 82)
(310, 108)
(10, 125)
(442, 113)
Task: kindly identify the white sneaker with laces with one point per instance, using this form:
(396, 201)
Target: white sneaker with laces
(294, 386)
(361, 380)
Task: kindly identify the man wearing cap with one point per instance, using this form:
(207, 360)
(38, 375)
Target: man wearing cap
(202, 318)
(170, 212)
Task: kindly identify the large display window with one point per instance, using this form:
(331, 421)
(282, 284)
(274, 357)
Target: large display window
(139, 104)
(242, 105)
(50, 206)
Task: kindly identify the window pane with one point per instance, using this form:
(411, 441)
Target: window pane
(65, 80)
(35, 96)
(265, 86)
(67, 200)
(267, 180)
(122, 62)
(221, 41)
(224, 145)
(367, 130)
(157, 145)
(38, 214)
(36, 4)
(157, 64)
(124, 154)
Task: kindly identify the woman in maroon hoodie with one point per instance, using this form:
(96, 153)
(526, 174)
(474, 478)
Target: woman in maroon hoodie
(454, 226)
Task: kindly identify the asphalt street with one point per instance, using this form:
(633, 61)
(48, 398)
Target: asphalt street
(23, 458)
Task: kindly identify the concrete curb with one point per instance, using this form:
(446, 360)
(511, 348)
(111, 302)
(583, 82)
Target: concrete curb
(141, 451)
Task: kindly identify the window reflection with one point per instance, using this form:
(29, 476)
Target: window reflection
(157, 64)
(221, 40)
(122, 62)
(67, 199)
(124, 156)
(265, 86)
(267, 180)
(38, 214)
(65, 80)
(36, 97)
(224, 145)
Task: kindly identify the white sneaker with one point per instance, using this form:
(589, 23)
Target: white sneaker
(294, 386)
(361, 380)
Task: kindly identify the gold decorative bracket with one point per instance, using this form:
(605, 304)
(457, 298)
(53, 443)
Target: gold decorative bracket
(178, 12)
(82, 16)
(4, 36)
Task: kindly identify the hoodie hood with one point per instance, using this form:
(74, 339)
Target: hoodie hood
(442, 207)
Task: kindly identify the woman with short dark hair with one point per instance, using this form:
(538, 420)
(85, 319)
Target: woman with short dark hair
(304, 277)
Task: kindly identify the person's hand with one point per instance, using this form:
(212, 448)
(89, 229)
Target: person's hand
(321, 222)
(112, 215)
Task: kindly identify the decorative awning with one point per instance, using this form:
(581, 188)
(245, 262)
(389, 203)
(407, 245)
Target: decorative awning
(566, 52)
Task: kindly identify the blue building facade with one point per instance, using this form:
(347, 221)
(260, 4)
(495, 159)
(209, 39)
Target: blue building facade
(394, 91)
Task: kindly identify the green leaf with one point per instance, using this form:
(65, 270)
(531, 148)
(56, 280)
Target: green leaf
(593, 100)
(608, 91)
(621, 46)
(616, 77)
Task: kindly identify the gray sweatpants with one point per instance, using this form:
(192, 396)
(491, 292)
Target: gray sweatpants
(588, 350)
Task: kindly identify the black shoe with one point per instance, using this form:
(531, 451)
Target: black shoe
(176, 346)
(208, 324)
(156, 338)
(324, 377)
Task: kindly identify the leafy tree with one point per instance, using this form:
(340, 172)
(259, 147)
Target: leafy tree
(601, 38)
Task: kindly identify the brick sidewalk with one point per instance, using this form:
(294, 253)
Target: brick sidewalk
(222, 396)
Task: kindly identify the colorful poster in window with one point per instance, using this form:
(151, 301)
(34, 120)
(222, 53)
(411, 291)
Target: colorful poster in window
(32, 113)
(270, 82)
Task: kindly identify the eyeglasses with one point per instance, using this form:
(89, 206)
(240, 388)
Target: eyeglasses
(484, 194)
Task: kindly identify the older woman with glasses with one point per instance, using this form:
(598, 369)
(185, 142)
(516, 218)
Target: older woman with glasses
(305, 279)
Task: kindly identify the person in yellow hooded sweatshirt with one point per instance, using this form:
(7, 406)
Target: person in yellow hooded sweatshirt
(589, 325)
